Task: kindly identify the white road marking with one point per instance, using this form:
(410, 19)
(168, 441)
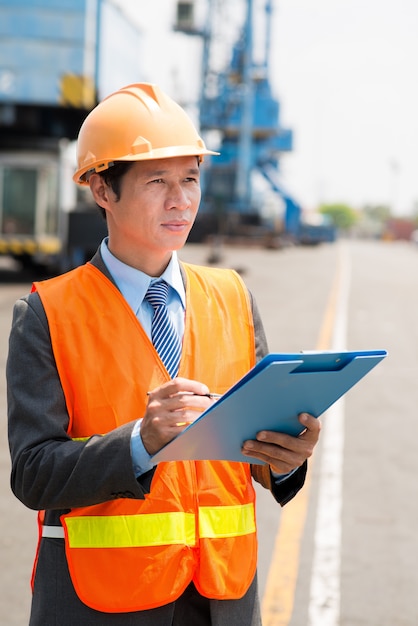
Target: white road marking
(324, 604)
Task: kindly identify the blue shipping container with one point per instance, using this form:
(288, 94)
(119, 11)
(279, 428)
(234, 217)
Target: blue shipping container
(48, 51)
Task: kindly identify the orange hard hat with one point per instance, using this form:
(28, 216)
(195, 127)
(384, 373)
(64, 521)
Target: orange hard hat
(137, 123)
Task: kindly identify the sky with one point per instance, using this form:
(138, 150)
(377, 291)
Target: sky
(345, 73)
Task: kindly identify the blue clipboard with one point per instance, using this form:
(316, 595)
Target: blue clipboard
(270, 397)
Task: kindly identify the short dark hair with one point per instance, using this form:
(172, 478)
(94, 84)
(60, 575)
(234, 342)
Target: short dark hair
(113, 178)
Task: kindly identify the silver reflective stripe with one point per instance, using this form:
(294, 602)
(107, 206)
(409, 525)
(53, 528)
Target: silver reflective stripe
(53, 532)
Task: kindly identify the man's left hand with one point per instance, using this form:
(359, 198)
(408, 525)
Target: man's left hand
(285, 453)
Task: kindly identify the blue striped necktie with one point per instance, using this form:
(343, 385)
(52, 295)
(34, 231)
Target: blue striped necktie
(163, 334)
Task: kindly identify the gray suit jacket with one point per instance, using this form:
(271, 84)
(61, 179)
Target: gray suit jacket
(52, 472)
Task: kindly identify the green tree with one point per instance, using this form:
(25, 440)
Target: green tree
(341, 215)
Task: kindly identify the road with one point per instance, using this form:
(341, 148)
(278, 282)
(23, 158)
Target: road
(344, 551)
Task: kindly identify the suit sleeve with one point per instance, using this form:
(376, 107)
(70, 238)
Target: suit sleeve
(283, 490)
(49, 469)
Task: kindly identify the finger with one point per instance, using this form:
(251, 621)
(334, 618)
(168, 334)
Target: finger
(311, 423)
(308, 437)
(189, 414)
(301, 448)
(185, 385)
(179, 385)
(191, 401)
(280, 440)
(280, 460)
(273, 453)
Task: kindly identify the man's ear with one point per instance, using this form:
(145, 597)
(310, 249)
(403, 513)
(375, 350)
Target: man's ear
(100, 190)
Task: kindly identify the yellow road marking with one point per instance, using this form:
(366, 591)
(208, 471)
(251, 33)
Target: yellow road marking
(278, 599)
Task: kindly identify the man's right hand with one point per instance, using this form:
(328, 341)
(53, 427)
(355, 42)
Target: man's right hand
(171, 408)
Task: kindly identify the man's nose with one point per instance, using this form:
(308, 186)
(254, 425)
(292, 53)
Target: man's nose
(179, 198)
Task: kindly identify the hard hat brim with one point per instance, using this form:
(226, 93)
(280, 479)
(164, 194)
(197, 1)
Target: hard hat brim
(81, 176)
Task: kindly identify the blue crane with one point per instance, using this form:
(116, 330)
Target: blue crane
(239, 104)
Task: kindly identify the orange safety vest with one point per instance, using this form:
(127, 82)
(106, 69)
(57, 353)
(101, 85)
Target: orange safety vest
(198, 521)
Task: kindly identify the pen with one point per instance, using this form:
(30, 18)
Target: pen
(205, 395)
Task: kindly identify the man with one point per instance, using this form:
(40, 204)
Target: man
(92, 398)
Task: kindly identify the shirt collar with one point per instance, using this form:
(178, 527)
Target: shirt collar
(133, 284)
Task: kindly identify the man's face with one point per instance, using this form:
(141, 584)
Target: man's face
(158, 204)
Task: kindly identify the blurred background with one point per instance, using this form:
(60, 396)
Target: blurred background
(311, 104)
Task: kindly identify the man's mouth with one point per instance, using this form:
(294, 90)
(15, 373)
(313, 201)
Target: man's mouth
(176, 226)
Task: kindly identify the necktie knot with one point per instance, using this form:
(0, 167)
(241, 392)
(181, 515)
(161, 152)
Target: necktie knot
(157, 294)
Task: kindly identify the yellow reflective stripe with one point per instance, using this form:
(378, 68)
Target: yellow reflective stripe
(226, 521)
(131, 531)
(156, 529)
